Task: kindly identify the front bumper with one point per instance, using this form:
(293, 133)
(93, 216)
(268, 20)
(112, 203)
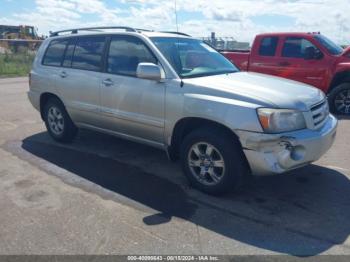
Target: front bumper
(277, 153)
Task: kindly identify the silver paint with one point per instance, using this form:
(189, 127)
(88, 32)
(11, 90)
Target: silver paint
(147, 110)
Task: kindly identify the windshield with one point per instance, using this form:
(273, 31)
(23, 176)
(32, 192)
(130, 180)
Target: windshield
(332, 48)
(193, 58)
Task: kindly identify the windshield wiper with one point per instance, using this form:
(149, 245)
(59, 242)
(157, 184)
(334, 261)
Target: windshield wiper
(210, 74)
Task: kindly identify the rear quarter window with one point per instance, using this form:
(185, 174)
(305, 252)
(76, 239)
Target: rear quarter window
(268, 46)
(55, 52)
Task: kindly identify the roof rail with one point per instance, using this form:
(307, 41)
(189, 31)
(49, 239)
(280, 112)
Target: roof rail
(174, 32)
(76, 30)
(143, 30)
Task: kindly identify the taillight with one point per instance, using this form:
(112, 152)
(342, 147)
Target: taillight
(30, 80)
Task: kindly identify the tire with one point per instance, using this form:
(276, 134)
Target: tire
(339, 99)
(58, 123)
(216, 173)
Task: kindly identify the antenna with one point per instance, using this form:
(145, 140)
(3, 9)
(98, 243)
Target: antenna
(177, 46)
(177, 25)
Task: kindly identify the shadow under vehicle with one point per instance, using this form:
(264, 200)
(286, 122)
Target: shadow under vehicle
(303, 213)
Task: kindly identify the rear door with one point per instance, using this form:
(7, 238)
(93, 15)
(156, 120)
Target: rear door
(264, 58)
(79, 78)
(51, 65)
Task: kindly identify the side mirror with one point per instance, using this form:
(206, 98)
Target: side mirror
(310, 53)
(318, 55)
(149, 71)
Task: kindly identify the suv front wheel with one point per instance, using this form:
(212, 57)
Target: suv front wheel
(57, 121)
(212, 161)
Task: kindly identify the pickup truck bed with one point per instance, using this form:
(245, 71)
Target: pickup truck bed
(239, 58)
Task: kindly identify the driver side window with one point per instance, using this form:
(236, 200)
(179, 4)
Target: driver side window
(296, 47)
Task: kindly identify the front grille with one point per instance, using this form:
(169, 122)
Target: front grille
(320, 113)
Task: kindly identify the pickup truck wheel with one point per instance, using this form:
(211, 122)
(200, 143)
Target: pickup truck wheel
(339, 99)
(212, 161)
(57, 121)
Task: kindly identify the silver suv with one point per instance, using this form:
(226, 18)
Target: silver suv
(176, 93)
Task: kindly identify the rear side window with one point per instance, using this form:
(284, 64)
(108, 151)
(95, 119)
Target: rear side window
(125, 53)
(268, 46)
(54, 53)
(88, 53)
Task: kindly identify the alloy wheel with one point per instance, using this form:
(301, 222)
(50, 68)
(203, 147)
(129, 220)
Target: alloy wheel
(206, 163)
(55, 120)
(342, 101)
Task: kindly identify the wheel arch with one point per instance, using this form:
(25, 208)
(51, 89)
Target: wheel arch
(339, 78)
(44, 97)
(185, 125)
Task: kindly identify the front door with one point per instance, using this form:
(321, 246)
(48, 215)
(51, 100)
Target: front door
(132, 106)
(293, 64)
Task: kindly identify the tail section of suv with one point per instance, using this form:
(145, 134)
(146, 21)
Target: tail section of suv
(176, 93)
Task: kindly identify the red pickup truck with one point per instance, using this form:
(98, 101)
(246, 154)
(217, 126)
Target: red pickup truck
(305, 57)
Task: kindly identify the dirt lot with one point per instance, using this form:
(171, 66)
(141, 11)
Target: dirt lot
(102, 195)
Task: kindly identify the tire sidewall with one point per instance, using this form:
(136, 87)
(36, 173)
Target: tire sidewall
(332, 96)
(69, 130)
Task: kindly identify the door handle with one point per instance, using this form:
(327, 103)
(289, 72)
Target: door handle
(63, 74)
(107, 82)
(284, 63)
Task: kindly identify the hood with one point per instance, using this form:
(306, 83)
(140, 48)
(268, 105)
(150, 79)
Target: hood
(263, 90)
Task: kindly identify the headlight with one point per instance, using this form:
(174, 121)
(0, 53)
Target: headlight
(281, 120)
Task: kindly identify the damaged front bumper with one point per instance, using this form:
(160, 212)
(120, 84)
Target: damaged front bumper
(277, 153)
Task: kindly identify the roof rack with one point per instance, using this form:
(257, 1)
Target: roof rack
(126, 28)
(76, 30)
(174, 32)
(143, 30)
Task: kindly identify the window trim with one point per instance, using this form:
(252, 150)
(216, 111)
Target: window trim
(111, 37)
(73, 41)
(105, 54)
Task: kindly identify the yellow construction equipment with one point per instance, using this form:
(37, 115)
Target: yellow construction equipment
(13, 37)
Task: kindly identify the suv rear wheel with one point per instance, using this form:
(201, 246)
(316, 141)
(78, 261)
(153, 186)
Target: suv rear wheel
(57, 121)
(212, 161)
(339, 99)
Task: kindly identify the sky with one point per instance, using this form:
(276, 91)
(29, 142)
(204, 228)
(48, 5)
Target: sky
(241, 19)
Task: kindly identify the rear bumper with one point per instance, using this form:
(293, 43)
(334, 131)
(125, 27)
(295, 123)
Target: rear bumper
(277, 153)
(34, 98)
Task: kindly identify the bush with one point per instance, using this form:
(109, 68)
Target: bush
(15, 64)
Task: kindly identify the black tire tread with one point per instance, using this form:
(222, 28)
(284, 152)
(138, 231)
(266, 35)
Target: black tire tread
(70, 130)
(332, 96)
(232, 153)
